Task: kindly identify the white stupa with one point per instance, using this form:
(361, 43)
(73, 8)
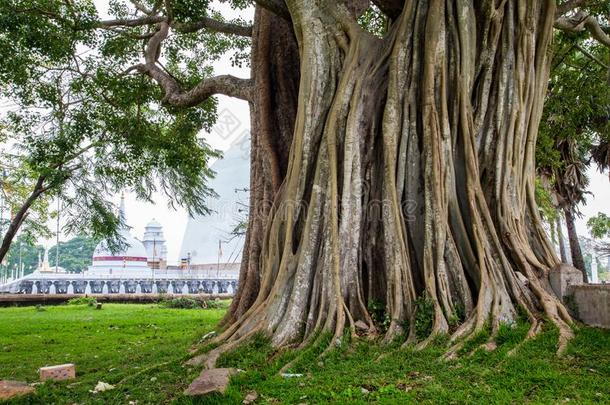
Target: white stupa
(207, 238)
(132, 260)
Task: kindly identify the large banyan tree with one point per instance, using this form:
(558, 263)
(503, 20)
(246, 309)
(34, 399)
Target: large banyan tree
(392, 159)
(410, 171)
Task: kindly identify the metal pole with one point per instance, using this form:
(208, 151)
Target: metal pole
(20, 256)
(57, 246)
(188, 264)
(218, 264)
(2, 220)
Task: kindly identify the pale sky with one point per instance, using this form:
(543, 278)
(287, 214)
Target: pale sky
(174, 222)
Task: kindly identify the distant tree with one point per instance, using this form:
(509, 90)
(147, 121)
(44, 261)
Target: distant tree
(599, 226)
(575, 126)
(74, 255)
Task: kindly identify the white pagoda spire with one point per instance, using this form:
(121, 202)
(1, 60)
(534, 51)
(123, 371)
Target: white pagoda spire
(45, 263)
(122, 215)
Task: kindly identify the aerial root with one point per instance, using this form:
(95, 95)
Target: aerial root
(313, 339)
(291, 363)
(350, 318)
(214, 354)
(557, 314)
(534, 330)
(565, 335)
(340, 320)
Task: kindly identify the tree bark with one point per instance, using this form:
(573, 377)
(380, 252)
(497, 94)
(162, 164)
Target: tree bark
(562, 243)
(19, 217)
(410, 174)
(275, 78)
(575, 251)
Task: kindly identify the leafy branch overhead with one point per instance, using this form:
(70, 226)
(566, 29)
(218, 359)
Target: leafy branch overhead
(81, 124)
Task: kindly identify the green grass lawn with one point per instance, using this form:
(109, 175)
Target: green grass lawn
(117, 343)
(141, 348)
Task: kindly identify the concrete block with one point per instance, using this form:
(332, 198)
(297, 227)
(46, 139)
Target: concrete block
(562, 277)
(591, 304)
(58, 373)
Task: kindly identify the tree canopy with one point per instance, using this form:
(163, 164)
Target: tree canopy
(81, 122)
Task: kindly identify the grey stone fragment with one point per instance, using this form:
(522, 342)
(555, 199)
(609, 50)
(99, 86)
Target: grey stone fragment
(360, 325)
(214, 380)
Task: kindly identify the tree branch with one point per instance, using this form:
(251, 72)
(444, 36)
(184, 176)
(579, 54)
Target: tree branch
(205, 23)
(228, 85)
(136, 22)
(591, 56)
(139, 6)
(568, 6)
(582, 22)
(19, 217)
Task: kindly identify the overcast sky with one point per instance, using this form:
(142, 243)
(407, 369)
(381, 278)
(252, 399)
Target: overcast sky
(174, 222)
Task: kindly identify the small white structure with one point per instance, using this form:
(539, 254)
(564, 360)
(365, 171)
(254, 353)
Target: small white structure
(594, 272)
(45, 267)
(155, 244)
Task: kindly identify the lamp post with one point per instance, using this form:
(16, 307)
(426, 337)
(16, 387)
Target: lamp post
(219, 256)
(188, 264)
(20, 259)
(57, 245)
(4, 175)
(153, 258)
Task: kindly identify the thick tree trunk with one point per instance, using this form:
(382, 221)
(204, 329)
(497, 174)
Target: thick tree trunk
(575, 251)
(411, 173)
(275, 75)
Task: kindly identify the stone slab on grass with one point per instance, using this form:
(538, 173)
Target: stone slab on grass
(10, 389)
(58, 373)
(213, 380)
